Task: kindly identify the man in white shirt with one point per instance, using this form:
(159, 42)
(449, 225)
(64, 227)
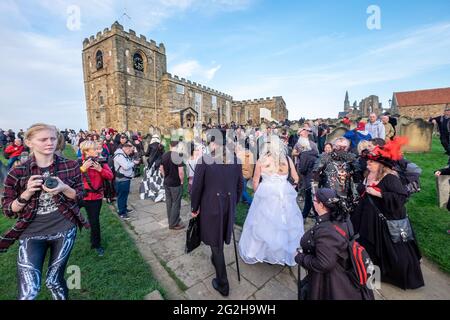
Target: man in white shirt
(375, 127)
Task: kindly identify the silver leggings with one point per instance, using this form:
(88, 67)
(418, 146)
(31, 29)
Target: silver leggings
(30, 260)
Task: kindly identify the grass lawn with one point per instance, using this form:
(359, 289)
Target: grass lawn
(121, 274)
(429, 221)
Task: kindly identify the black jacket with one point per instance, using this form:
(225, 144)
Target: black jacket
(305, 166)
(216, 191)
(154, 154)
(325, 257)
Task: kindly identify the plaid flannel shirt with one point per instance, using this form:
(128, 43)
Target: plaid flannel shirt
(15, 184)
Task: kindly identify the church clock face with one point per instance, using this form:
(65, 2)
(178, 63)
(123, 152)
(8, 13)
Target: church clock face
(138, 62)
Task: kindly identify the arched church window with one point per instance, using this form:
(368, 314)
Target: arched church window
(99, 60)
(138, 62)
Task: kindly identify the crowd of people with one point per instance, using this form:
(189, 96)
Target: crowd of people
(355, 184)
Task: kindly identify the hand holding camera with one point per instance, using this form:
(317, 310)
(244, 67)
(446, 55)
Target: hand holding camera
(34, 184)
(87, 164)
(50, 184)
(54, 185)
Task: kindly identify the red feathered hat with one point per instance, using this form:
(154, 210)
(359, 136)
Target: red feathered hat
(390, 153)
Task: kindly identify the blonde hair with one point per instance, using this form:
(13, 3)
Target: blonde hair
(87, 145)
(275, 151)
(363, 145)
(37, 127)
(383, 171)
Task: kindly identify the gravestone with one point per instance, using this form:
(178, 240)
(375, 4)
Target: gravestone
(336, 133)
(419, 133)
(443, 189)
(294, 126)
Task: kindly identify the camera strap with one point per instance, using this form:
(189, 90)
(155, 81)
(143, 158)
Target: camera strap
(89, 182)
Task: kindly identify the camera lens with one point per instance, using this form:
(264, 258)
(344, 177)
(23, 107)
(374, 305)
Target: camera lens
(51, 183)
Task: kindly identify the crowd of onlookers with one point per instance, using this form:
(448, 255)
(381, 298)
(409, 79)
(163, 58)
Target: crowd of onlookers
(364, 169)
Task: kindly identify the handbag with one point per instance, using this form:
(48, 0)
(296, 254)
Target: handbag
(399, 230)
(193, 235)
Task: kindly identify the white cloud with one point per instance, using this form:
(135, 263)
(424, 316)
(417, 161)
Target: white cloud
(195, 71)
(145, 15)
(319, 89)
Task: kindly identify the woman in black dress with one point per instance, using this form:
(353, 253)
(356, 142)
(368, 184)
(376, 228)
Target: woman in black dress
(383, 193)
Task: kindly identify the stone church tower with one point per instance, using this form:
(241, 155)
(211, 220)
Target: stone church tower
(122, 73)
(127, 87)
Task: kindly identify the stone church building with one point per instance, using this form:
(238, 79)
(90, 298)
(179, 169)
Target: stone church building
(422, 104)
(127, 87)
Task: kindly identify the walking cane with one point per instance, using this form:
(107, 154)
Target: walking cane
(236, 255)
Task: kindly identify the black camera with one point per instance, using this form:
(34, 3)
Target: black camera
(51, 183)
(99, 160)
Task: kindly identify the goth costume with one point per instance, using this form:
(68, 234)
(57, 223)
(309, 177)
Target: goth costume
(152, 185)
(335, 171)
(216, 191)
(325, 255)
(399, 262)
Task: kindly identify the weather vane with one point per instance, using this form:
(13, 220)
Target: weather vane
(124, 15)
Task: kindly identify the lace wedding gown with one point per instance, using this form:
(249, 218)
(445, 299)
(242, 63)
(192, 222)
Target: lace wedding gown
(274, 224)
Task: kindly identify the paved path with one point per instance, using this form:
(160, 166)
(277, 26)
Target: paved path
(188, 276)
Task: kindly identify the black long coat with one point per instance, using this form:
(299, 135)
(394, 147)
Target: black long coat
(216, 191)
(154, 153)
(305, 166)
(399, 263)
(325, 257)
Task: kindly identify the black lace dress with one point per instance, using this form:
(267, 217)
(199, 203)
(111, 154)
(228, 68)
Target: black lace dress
(399, 262)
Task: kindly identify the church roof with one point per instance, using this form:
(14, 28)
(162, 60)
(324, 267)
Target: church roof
(423, 97)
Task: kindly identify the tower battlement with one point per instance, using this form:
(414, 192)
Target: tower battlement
(188, 83)
(254, 101)
(117, 29)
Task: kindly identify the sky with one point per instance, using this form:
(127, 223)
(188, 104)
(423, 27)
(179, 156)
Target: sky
(309, 52)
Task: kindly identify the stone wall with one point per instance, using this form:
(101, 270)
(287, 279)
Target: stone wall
(250, 109)
(424, 112)
(174, 101)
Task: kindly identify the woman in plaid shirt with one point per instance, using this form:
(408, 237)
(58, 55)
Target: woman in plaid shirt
(47, 218)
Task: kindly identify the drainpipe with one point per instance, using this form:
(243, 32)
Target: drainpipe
(154, 72)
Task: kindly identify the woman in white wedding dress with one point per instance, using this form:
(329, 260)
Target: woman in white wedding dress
(274, 224)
